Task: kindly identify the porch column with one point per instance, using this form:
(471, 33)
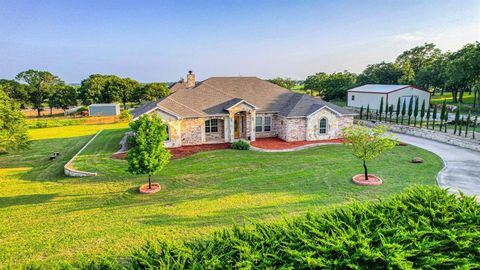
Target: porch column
(231, 126)
(253, 115)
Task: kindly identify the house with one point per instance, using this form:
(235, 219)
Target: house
(371, 94)
(225, 109)
(104, 109)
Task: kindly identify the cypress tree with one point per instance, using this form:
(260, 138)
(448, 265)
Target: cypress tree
(391, 112)
(415, 113)
(376, 114)
(361, 112)
(467, 124)
(460, 127)
(410, 109)
(428, 116)
(397, 112)
(368, 111)
(386, 111)
(446, 121)
(457, 118)
(434, 117)
(404, 107)
(442, 113)
(380, 109)
(422, 113)
(474, 127)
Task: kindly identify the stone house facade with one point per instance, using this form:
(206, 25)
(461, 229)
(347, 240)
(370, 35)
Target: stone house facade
(226, 109)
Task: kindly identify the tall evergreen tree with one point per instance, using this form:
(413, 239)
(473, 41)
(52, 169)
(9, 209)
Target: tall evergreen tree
(457, 119)
(380, 111)
(442, 113)
(397, 112)
(404, 108)
(467, 124)
(446, 121)
(361, 112)
(415, 113)
(434, 117)
(390, 112)
(368, 111)
(428, 116)
(474, 126)
(386, 111)
(410, 109)
(422, 113)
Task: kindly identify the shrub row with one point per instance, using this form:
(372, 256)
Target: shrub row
(54, 123)
(422, 228)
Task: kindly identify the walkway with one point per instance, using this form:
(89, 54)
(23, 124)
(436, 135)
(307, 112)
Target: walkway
(278, 145)
(462, 166)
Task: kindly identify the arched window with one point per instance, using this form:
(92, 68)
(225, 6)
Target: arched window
(322, 127)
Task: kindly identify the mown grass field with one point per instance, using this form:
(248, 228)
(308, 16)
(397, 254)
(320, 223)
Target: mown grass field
(47, 217)
(465, 107)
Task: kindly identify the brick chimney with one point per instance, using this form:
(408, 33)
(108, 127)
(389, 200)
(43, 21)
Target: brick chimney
(190, 79)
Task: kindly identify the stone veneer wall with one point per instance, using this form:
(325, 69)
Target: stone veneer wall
(192, 130)
(296, 129)
(335, 124)
(427, 134)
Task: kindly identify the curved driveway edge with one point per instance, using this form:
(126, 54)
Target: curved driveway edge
(462, 166)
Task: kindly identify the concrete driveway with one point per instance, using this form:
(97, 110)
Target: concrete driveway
(462, 166)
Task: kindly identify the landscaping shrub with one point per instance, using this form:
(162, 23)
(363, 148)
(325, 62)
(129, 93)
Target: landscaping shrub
(240, 145)
(422, 228)
(125, 116)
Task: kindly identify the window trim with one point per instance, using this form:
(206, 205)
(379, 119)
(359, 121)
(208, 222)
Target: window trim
(261, 127)
(320, 125)
(257, 125)
(269, 125)
(353, 98)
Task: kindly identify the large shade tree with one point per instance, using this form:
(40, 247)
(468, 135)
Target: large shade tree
(151, 92)
(381, 73)
(16, 91)
(63, 96)
(283, 82)
(39, 85)
(148, 154)
(13, 129)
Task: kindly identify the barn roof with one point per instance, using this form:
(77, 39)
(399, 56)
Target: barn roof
(380, 88)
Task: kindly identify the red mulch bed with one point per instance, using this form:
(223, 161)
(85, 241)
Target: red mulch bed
(185, 151)
(373, 180)
(278, 144)
(145, 190)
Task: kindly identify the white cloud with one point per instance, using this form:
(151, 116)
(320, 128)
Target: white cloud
(407, 37)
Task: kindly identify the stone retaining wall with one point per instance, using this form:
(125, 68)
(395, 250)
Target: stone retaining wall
(68, 170)
(428, 134)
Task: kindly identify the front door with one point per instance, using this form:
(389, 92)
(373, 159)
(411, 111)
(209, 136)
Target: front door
(236, 126)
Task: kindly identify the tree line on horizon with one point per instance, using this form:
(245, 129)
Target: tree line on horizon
(424, 66)
(40, 89)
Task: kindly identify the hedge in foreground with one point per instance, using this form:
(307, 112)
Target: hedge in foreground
(421, 228)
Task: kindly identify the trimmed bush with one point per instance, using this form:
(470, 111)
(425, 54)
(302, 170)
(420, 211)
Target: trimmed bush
(240, 145)
(422, 228)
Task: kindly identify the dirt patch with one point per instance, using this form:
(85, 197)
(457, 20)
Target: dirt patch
(278, 144)
(120, 155)
(373, 180)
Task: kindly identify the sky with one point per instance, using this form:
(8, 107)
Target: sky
(162, 40)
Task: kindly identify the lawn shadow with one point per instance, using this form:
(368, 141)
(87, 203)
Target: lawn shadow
(25, 199)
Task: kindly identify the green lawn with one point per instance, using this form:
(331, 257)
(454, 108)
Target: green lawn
(465, 107)
(47, 217)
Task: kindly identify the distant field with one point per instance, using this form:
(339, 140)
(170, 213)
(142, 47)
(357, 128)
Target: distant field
(466, 106)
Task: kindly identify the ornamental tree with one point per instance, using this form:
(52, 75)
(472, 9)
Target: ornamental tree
(367, 144)
(415, 112)
(404, 108)
(422, 113)
(397, 112)
(380, 111)
(148, 154)
(410, 109)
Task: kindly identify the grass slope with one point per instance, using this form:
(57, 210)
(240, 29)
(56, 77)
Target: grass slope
(47, 217)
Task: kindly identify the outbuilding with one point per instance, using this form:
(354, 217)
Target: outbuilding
(104, 109)
(371, 95)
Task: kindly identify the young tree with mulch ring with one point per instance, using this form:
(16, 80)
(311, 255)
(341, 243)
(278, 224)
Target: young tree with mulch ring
(367, 144)
(147, 154)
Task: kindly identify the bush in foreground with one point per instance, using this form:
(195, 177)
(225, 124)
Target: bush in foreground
(422, 228)
(240, 145)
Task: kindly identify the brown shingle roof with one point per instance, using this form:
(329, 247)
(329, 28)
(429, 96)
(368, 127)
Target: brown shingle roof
(211, 97)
